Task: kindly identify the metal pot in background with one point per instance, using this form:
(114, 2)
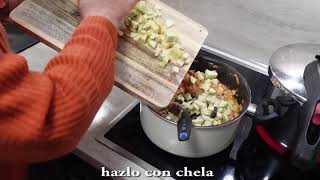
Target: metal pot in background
(204, 141)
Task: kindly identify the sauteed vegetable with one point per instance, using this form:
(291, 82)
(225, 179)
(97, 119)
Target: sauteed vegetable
(209, 101)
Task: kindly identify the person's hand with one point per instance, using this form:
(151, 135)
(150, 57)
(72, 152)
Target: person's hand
(114, 10)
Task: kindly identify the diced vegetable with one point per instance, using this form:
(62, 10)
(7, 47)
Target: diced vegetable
(188, 96)
(179, 63)
(200, 75)
(207, 123)
(150, 30)
(180, 97)
(193, 79)
(206, 112)
(205, 86)
(224, 104)
(211, 74)
(212, 91)
(195, 106)
(171, 37)
(175, 69)
(152, 43)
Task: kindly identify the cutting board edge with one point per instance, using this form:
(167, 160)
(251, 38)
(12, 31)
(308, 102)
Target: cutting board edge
(147, 101)
(35, 35)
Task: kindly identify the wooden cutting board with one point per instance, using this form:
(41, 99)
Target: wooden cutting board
(138, 73)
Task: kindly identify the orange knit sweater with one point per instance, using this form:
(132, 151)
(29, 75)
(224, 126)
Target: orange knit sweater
(43, 115)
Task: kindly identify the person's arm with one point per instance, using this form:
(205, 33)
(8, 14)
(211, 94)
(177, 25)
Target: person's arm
(43, 116)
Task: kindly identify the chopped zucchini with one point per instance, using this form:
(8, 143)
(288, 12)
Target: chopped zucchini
(206, 112)
(218, 122)
(135, 25)
(185, 56)
(142, 7)
(152, 43)
(188, 96)
(214, 81)
(193, 79)
(227, 112)
(212, 91)
(195, 107)
(211, 74)
(224, 104)
(171, 37)
(207, 123)
(199, 75)
(179, 63)
(180, 97)
(205, 86)
(234, 92)
(175, 69)
(157, 52)
(163, 61)
(175, 53)
(187, 105)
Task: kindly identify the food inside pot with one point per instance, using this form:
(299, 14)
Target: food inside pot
(209, 101)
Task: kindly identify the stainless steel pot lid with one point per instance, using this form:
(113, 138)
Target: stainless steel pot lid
(287, 67)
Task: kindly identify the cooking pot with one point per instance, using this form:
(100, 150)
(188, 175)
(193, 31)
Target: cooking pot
(204, 141)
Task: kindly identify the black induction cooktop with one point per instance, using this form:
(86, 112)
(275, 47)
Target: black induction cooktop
(129, 135)
(253, 161)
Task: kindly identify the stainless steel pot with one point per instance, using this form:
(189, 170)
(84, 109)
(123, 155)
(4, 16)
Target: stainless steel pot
(204, 141)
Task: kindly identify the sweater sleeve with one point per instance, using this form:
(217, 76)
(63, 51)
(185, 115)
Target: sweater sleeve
(44, 115)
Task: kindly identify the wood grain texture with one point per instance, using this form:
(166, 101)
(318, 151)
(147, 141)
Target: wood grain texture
(137, 72)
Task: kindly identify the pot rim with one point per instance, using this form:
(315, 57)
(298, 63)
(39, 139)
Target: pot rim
(200, 127)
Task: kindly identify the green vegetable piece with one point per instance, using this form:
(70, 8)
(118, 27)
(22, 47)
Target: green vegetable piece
(175, 53)
(142, 38)
(211, 74)
(135, 25)
(187, 104)
(212, 91)
(175, 69)
(224, 104)
(188, 96)
(152, 43)
(206, 112)
(214, 81)
(179, 63)
(180, 97)
(185, 56)
(163, 64)
(195, 106)
(171, 37)
(193, 80)
(141, 6)
(205, 86)
(199, 75)
(234, 92)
